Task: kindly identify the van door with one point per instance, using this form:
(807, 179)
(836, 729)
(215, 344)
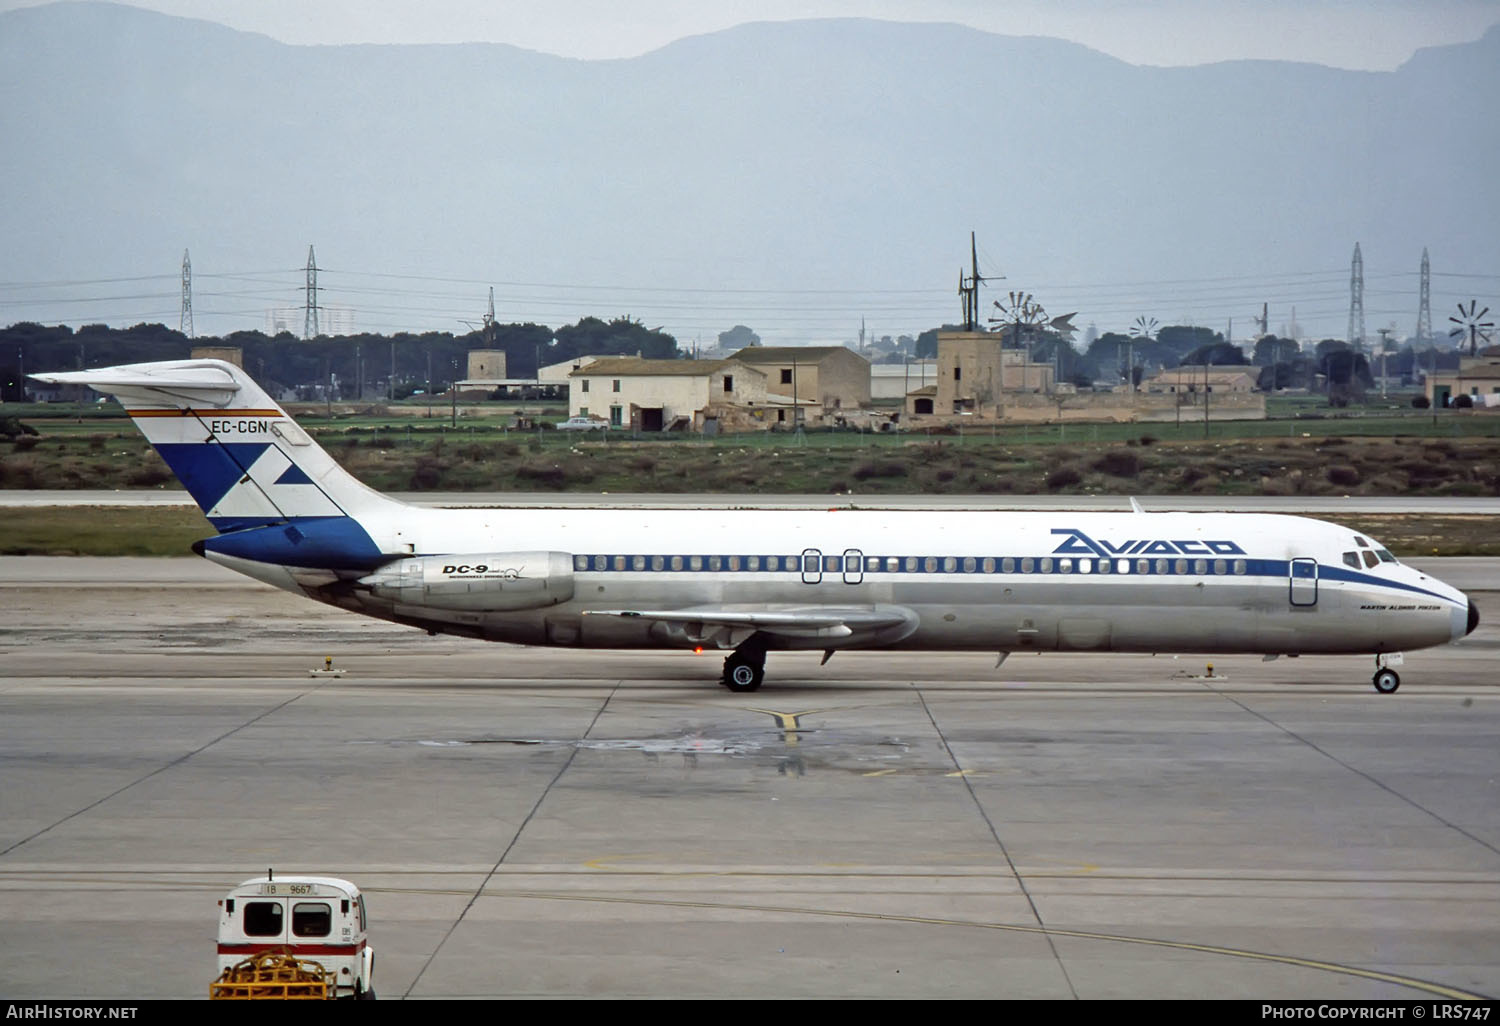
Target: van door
(263, 920)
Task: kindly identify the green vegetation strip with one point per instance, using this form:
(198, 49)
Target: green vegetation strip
(1142, 463)
(171, 531)
(101, 530)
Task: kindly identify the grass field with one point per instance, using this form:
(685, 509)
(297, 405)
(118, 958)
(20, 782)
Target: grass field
(102, 531)
(1375, 451)
(1267, 458)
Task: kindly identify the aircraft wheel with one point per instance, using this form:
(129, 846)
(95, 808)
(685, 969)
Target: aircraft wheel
(1387, 681)
(742, 676)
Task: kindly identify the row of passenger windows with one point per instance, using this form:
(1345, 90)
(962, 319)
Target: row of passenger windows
(851, 563)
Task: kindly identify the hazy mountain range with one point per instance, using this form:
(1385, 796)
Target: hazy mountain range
(825, 155)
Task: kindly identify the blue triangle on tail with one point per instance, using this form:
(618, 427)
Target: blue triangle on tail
(293, 475)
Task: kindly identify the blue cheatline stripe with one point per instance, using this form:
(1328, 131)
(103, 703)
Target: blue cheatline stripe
(319, 543)
(831, 564)
(209, 469)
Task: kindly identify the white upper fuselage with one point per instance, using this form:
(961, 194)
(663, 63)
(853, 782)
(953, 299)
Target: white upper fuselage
(973, 580)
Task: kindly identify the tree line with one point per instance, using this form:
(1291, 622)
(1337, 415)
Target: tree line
(365, 364)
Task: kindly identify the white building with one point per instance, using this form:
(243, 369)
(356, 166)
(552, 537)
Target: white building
(663, 395)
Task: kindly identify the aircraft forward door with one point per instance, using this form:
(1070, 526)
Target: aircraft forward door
(1303, 581)
(854, 566)
(812, 566)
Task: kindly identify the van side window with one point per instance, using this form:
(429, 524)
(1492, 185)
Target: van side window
(263, 919)
(312, 919)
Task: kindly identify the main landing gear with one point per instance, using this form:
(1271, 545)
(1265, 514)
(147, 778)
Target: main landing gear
(746, 666)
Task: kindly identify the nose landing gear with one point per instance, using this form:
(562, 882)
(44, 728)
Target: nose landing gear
(1386, 680)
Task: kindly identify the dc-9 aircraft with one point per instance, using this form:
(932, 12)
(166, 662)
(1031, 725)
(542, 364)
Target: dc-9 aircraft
(755, 581)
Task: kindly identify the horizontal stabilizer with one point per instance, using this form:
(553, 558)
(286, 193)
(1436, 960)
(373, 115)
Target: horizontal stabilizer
(199, 383)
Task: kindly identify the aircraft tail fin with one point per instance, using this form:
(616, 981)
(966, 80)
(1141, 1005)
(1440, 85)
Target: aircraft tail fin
(237, 452)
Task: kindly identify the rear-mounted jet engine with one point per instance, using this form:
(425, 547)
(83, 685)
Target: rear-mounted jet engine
(490, 581)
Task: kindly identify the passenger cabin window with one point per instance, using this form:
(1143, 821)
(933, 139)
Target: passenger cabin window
(312, 919)
(263, 919)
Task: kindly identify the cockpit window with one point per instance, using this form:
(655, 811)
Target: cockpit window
(1351, 559)
(1370, 559)
(1361, 542)
(1386, 557)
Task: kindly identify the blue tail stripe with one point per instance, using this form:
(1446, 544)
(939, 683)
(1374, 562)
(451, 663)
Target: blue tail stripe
(325, 543)
(209, 469)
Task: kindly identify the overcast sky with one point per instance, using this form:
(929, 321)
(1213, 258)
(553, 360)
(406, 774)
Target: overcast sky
(1366, 34)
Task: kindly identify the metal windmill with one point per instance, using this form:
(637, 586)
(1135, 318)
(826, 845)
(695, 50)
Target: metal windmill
(1144, 330)
(1469, 323)
(1022, 312)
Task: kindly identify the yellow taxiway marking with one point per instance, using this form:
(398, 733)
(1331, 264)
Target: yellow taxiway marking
(788, 723)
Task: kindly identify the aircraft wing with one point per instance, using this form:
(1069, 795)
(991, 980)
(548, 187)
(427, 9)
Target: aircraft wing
(829, 622)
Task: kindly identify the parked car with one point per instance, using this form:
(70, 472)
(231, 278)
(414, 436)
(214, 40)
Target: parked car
(584, 424)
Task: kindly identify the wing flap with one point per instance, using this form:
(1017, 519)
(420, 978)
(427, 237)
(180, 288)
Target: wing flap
(829, 622)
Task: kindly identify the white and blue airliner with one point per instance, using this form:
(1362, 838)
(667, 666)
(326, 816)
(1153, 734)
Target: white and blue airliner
(750, 582)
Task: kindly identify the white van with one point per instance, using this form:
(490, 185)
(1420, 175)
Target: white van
(320, 918)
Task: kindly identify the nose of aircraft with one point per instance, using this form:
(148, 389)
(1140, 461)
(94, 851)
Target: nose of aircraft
(1473, 617)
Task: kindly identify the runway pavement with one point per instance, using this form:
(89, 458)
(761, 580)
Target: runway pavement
(555, 823)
